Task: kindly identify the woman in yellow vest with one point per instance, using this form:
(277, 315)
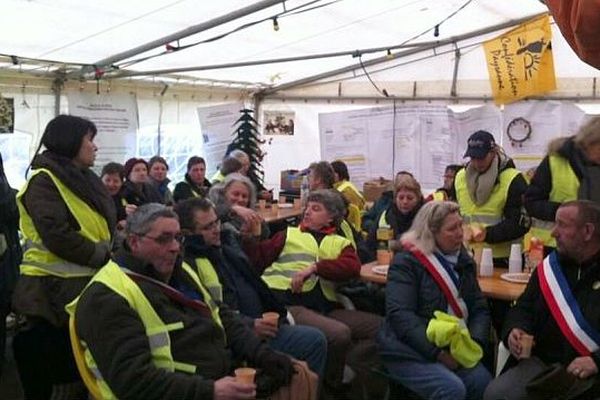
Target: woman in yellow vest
(67, 218)
(570, 171)
(397, 218)
(303, 264)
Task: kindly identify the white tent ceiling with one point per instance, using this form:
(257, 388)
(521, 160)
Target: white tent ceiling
(78, 32)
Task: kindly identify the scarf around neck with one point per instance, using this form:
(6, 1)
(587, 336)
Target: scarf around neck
(480, 185)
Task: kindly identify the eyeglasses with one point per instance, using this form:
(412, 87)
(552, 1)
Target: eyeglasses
(166, 238)
(210, 226)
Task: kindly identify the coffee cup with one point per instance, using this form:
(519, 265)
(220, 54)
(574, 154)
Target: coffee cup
(486, 268)
(297, 204)
(384, 257)
(515, 261)
(272, 318)
(245, 375)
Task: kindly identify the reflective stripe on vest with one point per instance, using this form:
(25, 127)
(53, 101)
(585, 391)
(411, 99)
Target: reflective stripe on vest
(490, 213)
(383, 221)
(304, 246)
(37, 259)
(157, 331)
(565, 187)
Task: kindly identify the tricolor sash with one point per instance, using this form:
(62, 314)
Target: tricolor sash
(564, 308)
(444, 280)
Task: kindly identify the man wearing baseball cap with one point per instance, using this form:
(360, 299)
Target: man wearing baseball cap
(489, 191)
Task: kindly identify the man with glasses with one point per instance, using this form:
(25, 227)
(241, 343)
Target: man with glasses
(226, 272)
(150, 330)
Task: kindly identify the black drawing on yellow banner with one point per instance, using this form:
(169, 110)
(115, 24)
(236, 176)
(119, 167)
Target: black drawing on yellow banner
(532, 55)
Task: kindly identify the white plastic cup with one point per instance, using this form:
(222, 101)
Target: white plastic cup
(515, 261)
(487, 262)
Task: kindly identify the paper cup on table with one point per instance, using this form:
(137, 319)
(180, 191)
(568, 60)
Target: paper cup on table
(515, 261)
(271, 318)
(245, 375)
(477, 249)
(486, 267)
(297, 204)
(384, 257)
(274, 208)
(282, 199)
(262, 204)
(526, 342)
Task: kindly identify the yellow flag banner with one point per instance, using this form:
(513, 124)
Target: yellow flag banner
(520, 61)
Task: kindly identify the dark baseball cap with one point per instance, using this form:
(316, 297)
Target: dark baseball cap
(480, 144)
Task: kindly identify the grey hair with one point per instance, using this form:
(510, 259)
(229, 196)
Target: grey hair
(217, 192)
(333, 202)
(141, 220)
(427, 223)
(588, 134)
(239, 154)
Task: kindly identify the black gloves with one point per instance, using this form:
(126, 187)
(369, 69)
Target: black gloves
(276, 366)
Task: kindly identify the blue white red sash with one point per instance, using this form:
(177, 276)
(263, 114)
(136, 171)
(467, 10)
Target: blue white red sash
(564, 308)
(443, 279)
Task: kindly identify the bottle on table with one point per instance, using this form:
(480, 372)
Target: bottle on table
(535, 254)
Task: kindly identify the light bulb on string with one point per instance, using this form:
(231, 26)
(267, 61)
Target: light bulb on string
(436, 31)
(389, 55)
(275, 24)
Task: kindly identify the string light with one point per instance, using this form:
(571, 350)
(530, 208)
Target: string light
(275, 24)
(389, 54)
(436, 31)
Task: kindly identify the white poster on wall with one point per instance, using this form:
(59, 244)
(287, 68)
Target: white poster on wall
(528, 128)
(116, 118)
(217, 124)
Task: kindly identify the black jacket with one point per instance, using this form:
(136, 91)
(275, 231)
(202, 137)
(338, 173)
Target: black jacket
(10, 256)
(186, 188)
(412, 295)
(140, 194)
(231, 255)
(532, 315)
(398, 221)
(117, 339)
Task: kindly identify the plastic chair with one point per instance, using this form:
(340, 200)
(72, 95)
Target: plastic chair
(86, 375)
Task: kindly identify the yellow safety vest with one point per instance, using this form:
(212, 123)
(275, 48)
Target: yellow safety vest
(565, 187)
(113, 277)
(490, 213)
(37, 259)
(354, 208)
(301, 250)
(209, 278)
(439, 195)
(347, 231)
(217, 177)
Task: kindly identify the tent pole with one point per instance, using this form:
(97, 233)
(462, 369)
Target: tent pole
(192, 30)
(127, 74)
(455, 73)
(381, 99)
(57, 86)
(405, 53)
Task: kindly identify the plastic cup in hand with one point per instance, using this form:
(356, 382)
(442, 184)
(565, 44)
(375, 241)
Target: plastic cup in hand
(486, 268)
(384, 257)
(272, 318)
(515, 261)
(526, 342)
(245, 375)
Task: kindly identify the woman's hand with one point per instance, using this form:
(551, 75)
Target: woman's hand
(130, 209)
(447, 360)
(264, 329)
(301, 276)
(248, 215)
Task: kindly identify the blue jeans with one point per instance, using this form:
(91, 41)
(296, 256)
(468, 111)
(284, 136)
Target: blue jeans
(303, 343)
(436, 382)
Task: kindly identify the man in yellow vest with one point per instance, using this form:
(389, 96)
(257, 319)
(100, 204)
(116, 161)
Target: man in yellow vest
(224, 269)
(489, 191)
(150, 329)
(350, 192)
(570, 171)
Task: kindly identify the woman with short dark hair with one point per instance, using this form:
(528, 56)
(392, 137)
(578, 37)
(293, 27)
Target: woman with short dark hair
(194, 183)
(157, 172)
(67, 219)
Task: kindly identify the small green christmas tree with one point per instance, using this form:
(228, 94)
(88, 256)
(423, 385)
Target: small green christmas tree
(247, 140)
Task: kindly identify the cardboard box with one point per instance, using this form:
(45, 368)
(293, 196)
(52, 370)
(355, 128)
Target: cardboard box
(291, 180)
(373, 189)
